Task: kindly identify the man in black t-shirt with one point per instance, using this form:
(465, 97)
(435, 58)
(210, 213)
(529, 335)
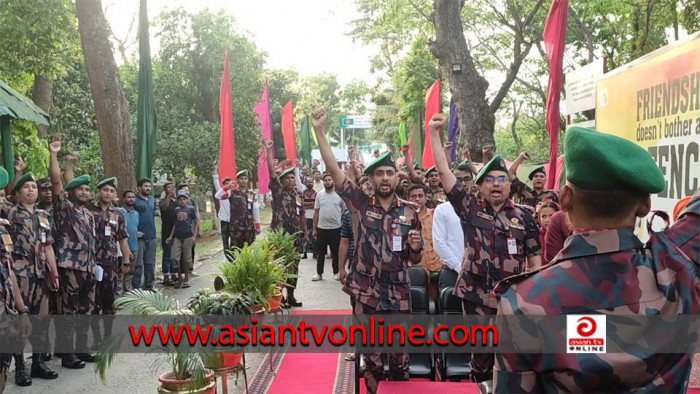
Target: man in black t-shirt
(167, 217)
(183, 238)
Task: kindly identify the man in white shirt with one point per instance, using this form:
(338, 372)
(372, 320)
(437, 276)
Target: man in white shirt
(318, 182)
(328, 212)
(448, 237)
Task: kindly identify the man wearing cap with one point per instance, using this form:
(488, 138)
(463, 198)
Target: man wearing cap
(287, 214)
(110, 231)
(76, 255)
(182, 236)
(34, 266)
(434, 193)
(605, 269)
(242, 224)
(387, 236)
(499, 237)
(522, 192)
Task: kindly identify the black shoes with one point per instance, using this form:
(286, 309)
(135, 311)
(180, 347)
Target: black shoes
(40, 370)
(86, 357)
(21, 377)
(72, 361)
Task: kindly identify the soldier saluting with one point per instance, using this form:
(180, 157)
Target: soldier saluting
(605, 269)
(387, 237)
(76, 255)
(499, 236)
(34, 265)
(242, 225)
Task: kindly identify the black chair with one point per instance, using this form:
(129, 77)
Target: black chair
(417, 277)
(451, 366)
(422, 365)
(447, 278)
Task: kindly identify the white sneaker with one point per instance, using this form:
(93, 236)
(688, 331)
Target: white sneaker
(316, 278)
(336, 276)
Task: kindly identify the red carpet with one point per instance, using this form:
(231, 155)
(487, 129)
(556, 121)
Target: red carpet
(306, 373)
(420, 387)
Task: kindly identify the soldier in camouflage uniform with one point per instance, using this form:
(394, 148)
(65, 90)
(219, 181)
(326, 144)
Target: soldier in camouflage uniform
(76, 255)
(110, 231)
(434, 194)
(34, 267)
(522, 193)
(605, 269)
(387, 238)
(499, 236)
(242, 225)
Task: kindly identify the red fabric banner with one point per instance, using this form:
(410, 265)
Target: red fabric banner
(432, 107)
(554, 36)
(227, 148)
(288, 131)
(262, 110)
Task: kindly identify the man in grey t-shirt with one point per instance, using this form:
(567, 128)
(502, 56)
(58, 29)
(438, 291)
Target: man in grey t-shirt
(328, 212)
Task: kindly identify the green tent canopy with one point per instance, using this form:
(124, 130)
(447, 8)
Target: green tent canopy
(15, 106)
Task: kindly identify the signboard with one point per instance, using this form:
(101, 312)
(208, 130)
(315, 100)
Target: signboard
(355, 122)
(581, 87)
(655, 102)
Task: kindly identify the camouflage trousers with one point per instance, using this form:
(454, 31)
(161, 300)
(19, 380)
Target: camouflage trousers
(77, 298)
(481, 363)
(35, 295)
(374, 365)
(5, 360)
(106, 291)
(241, 237)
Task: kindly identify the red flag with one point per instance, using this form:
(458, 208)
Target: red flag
(262, 109)
(227, 149)
(288, 131)
(432, 107)
(554, 36)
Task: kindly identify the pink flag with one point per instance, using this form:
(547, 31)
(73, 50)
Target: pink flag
(227, 148)
(554, 36)
(288, 131)
(432, 107)
(262, 109)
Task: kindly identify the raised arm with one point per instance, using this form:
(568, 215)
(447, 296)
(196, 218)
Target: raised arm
(318, 121)
(69, 174)
(54, 169)
(513, 170)
(448, 146)
(270, 160)
(434, 128)
(409, 166)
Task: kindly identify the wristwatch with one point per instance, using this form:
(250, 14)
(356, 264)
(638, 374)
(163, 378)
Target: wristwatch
(23, 310)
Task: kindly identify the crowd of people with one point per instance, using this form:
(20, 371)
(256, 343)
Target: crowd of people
(514, 249)
(65, 252)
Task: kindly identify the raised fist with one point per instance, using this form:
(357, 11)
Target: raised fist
(318, 118)
(55, 145)
(436, 122)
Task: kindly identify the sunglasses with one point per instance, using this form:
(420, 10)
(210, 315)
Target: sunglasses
(500, 179)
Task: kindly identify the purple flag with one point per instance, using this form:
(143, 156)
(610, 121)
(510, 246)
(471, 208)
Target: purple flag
(262, 109)
(453, 130)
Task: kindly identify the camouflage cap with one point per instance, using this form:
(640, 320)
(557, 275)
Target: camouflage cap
(286, 172)
(387, 159)
(28, 177)
(79, 181)
(535, 171)
(601, 161)
(44, 183)
(496, 164)
(109, 181)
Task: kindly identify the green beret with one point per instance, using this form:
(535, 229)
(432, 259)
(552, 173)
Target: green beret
(4, 178)
(463, 166)
(535, 171)
(286, 172)
(109, 181)
(601, 161)
(387, 159)
(22, 180)
(242, 173)
(418, 167)
(79, 181)
(431, 169)
(496, 164)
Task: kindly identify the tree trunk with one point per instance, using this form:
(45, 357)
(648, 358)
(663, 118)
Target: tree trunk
(113, 121)
(42, 95)
(468, 88)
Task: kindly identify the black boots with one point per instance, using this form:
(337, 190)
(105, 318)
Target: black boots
(291, 301)
(40, 370)
(70, 360)
(21, 377)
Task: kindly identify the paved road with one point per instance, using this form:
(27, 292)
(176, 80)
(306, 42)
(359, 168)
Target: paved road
(133, 373)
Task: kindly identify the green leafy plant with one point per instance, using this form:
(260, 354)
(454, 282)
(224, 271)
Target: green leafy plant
(282, 246)
(183, 365)
(253, 272)
(224, 303)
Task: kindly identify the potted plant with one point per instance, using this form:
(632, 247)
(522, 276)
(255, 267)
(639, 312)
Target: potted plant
(253, 273)
(283, 250)
(187, 370)
(222, 303)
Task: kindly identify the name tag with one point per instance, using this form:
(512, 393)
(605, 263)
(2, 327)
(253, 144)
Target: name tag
(108, 231)
(512, 246)
(373, 215)
(397, 243)
(484, 216)
(43, 237)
